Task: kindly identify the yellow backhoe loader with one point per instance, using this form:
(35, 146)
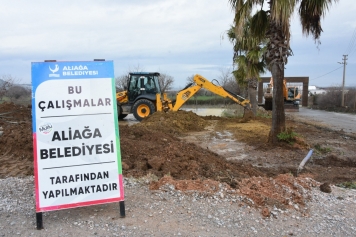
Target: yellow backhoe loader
(291, 96)
(143, 95)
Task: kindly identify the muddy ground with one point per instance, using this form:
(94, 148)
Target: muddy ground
(199, 153)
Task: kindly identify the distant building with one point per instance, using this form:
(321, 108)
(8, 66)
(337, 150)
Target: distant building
(313, 90)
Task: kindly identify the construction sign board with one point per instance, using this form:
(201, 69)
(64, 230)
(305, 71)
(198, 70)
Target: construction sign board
(77, 158)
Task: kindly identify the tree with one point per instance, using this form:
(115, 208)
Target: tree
(6, 82)
(227, 80)
(165, 82)
(15, 92)
(248, 55)
(225, 76)
(190, 79)
(273, 24)
(122, 80)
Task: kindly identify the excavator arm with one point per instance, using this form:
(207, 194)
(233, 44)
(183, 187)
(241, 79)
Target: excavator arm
(201, 82)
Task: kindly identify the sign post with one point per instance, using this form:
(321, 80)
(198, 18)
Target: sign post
(77, 158)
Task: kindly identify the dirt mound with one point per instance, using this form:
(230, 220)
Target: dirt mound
(248, 115)
(148, 147)
(283, 191)
(15, 113)
(16, 153)
(174, 122)
(208, 185)
(153, 147)
(145, 151)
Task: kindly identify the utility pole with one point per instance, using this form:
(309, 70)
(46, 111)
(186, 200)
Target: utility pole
(343, 82)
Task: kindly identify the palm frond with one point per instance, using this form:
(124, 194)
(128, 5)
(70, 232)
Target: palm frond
(259, 24)
(311, 12)
(281, 13)
(243, 9)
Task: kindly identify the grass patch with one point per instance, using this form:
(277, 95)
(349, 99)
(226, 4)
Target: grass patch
(349, 185)
(264, 114)
(228, 113)
(288, 136)
(321, 149)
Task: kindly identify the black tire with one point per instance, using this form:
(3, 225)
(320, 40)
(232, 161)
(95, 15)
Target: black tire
(122, 116)
(143, 108)
(119, 113)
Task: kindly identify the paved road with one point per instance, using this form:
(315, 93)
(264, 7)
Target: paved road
(336, 121)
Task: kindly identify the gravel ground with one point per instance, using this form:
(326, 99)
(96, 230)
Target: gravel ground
(169, 212)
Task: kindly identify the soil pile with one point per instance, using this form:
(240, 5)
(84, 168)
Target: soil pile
(283, 191)
(174, 122)
(145, 151)
(16, 153)
(156, 147)
(168, 183)
(149, 147)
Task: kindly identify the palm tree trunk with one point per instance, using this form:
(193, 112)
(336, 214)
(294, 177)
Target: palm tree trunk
(278, 115)
(252, 92)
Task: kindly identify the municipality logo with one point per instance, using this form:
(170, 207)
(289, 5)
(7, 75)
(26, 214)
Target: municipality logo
(54, 74)
(45, 128)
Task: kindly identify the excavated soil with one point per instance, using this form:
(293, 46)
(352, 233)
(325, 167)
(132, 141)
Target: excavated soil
(187, 151)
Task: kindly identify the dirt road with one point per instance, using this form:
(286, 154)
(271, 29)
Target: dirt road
(333, 120)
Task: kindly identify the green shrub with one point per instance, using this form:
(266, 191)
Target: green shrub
(287, 136)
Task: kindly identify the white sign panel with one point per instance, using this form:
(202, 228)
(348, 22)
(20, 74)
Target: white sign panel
(76, 140)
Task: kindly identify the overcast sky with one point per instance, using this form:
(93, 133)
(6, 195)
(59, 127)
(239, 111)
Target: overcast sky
(179, 38)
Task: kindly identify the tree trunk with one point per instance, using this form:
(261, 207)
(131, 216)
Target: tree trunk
(278, 115)
(252, 92)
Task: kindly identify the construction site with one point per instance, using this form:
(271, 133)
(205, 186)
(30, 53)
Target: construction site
(195, 149)
(211, 157)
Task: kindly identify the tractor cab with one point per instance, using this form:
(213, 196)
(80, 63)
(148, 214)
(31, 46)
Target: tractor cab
(140, 95)
(143, 85)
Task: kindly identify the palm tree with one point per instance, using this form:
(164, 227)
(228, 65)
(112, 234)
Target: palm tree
(273, 24)
(248, 55)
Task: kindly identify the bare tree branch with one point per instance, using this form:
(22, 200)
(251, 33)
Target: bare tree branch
(6, 82)
(122, 80)
(165, 82)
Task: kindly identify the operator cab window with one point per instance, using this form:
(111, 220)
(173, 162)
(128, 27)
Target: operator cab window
(290, 92)
(143, 84)
(150, 85)
(134, 87)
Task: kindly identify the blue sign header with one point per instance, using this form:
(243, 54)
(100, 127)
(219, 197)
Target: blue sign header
(44, 71)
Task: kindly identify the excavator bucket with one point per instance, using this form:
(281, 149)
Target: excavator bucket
(248, 115)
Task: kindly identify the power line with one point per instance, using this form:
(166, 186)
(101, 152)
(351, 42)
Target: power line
(354, 50)
(326, 73)
(351, 43)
